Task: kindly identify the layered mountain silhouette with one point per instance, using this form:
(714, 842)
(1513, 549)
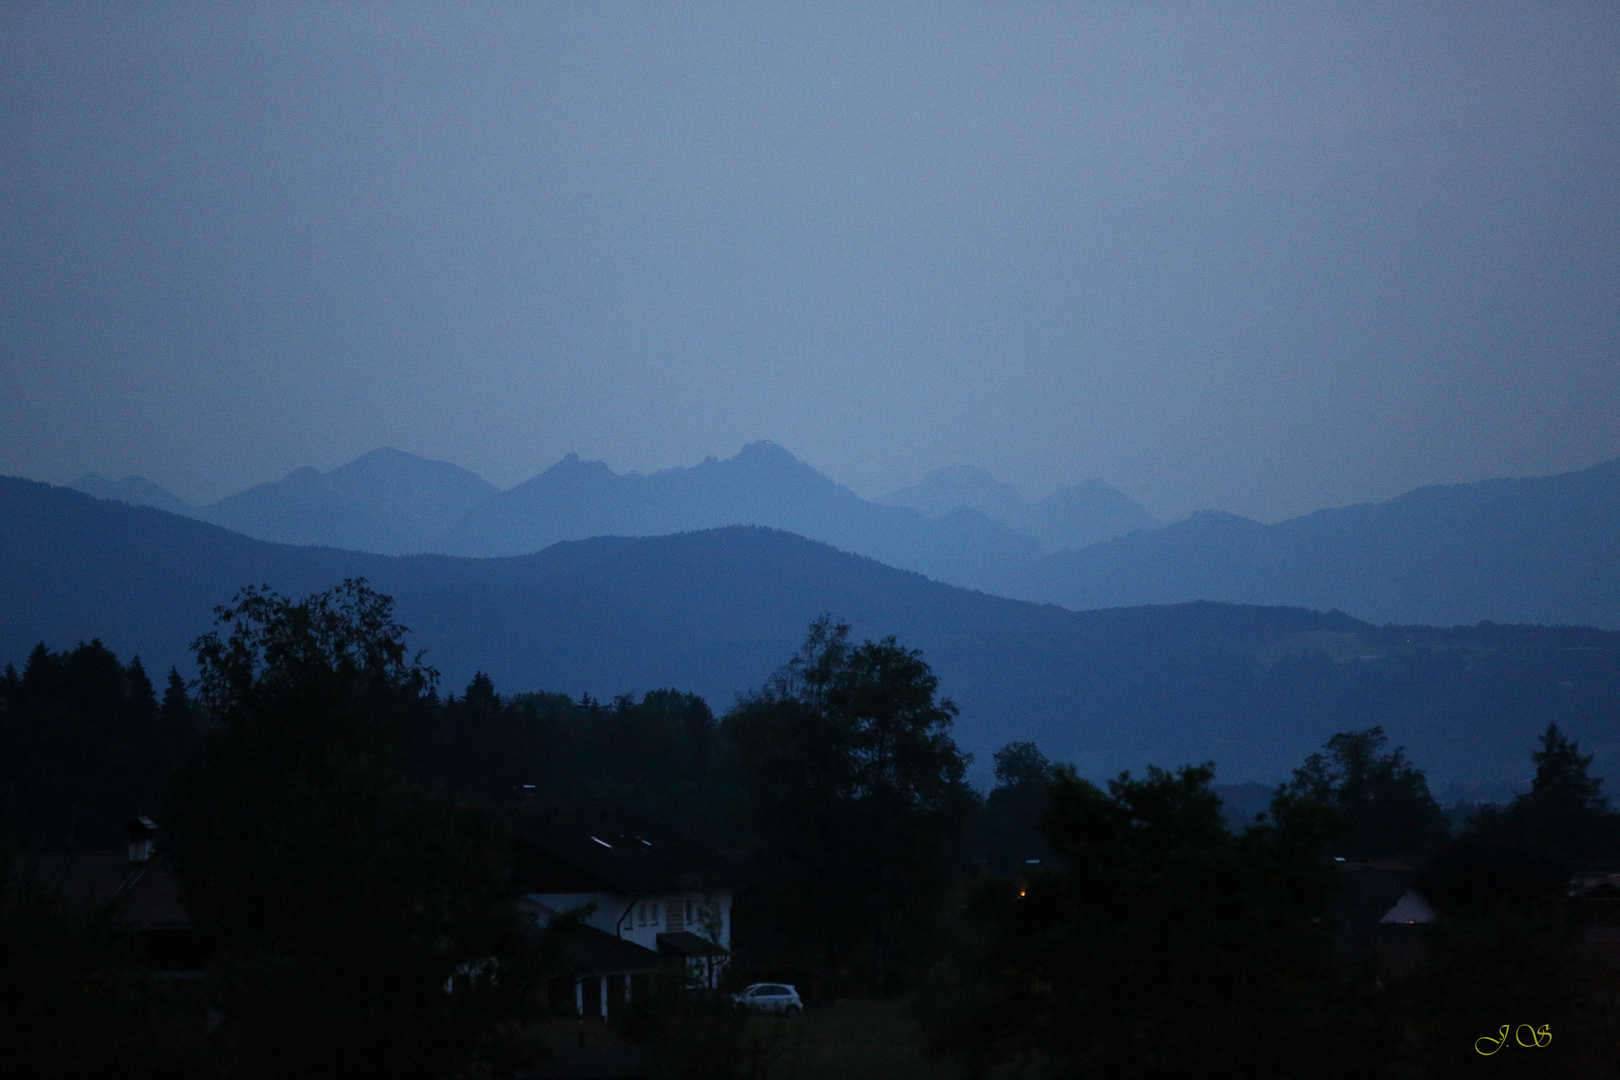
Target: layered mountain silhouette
(1252, 688)
(1545, 549)
(134, 490)
(392, 502)
(762, 485)
(1071, 517)
(386, 501)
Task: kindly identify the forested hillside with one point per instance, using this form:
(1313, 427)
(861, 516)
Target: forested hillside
(713, 613)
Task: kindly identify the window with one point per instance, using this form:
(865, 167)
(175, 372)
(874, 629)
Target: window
(654, 914)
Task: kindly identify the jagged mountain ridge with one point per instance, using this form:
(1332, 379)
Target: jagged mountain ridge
(392, 502)
(763, 484)
(1071, 517)
(1252, 688)
(1543, 549)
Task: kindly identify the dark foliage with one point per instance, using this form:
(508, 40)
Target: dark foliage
(699, 1036)
(1007, 837)
(1510, 858)
(1157, 944)
(342, 900)
(855, 804)
(1382, 800)
(654, 756)
(87, 746)
(1508, 948)
(1486, 969)
(76, 1000)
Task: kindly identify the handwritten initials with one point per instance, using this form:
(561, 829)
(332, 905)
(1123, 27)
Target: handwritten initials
(1523, 1035)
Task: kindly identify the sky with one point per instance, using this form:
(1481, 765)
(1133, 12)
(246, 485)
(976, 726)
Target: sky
(1258, 258)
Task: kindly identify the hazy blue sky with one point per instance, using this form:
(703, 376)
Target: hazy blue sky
(1260, 258)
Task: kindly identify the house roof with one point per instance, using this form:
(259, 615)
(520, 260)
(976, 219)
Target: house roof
(589, 951)
(591, 846)
(686, 943)
(1606, 887)
(143, 896)
(1369, 892)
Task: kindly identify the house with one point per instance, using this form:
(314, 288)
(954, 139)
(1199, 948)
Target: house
(651, 897)
(1380, 916)
(140, 891)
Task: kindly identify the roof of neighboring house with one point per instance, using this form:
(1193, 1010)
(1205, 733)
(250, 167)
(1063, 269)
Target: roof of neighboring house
(144, 896)
(1606, 887)
(1370, 891)
(589, 951)
(592, 846)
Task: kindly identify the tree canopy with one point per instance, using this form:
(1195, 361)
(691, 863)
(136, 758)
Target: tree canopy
(1156, 943)
(1007, 834)
(1382, 799)
(341, 899)
(855, 802)
(86, 746)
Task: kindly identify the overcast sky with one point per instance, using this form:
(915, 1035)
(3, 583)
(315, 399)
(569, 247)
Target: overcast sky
(1261, 259)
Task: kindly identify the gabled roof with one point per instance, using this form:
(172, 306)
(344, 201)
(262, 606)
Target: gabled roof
(1412, 909)
(142, 896)
(590, 951)
(1369, 892)
(599, 846)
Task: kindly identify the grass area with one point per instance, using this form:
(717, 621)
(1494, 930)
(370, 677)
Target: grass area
(852, 1040)
(858, 1040)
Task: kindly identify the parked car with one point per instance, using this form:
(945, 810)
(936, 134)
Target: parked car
(770, 998)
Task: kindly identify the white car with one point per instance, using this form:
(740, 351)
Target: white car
(770, 998)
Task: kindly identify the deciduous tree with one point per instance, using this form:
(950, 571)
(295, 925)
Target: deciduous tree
(343, 901)
(855, 799)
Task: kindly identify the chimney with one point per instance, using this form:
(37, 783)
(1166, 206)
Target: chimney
(142, 833)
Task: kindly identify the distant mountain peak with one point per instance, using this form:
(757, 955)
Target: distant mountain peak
(765, 450)
(383, 453)
(1217, 521)
(134, 490)
(1072, 517)
(385, 500)
(571, 465)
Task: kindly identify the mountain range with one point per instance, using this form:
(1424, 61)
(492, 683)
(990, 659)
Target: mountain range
(715, 611)
(391, 502)
(1071, 517)
(1543, 549)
